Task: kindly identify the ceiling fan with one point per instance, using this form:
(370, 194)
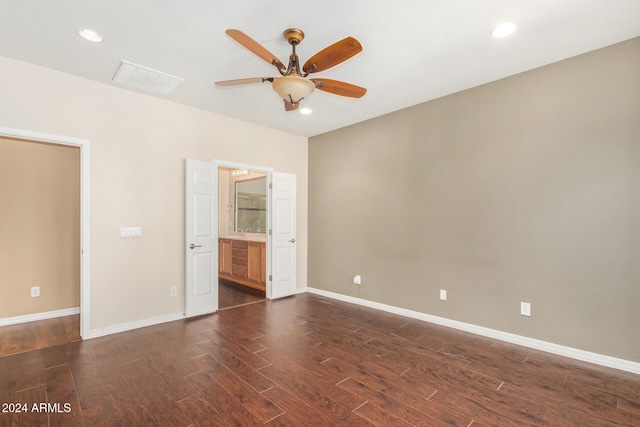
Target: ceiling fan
(293, 86)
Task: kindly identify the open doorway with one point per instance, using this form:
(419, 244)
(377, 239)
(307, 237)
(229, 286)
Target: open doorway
(242, 235)
(210, 252)
(78, 221)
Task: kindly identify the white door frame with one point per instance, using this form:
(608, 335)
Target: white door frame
(269, 172)
(85, 207)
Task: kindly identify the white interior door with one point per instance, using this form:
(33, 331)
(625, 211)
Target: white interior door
(283, 241)
(201, 245)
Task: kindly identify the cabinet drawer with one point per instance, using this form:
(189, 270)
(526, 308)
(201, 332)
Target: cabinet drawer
(240, 244)
(240, 253)
(239, 261)
(239, 271)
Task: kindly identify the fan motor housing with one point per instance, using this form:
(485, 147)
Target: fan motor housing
(293, 36)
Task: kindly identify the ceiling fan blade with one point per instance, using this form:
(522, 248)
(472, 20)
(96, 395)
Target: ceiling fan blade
(244, 81)
(255, 47)
(339, 88)
(290, 106)
(332, 55)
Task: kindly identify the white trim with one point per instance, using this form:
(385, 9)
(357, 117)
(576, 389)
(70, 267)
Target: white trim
(39, 316)
(585, 356)
(237, 165)
(85, 211)
(123, 327)
(43, 137)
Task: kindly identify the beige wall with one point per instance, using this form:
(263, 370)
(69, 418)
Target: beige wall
(138, 148)
(525, 189)
(39, 227)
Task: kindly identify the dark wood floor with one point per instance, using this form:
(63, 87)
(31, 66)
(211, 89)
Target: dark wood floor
(61, 330)
(309, 361)
(232, 295)
(40, 334)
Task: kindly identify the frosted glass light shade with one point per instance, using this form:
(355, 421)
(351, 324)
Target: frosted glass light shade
(293, 88)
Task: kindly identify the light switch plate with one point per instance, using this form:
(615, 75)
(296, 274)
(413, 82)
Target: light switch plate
(126, 232)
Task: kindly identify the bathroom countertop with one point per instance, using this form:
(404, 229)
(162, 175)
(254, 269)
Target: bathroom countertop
(248, 237)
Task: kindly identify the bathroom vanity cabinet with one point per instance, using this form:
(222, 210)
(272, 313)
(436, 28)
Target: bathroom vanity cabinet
(242, 261)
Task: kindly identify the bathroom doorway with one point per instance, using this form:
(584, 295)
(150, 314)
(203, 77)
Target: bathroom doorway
(263, 254)
(243, 216)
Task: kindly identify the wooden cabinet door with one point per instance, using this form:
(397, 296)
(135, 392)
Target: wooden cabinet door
(263, 263)
(224, 256)
(253, 272)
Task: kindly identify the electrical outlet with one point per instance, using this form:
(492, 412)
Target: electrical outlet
(357, 280)
(174, 291)
(525, 309)
(443, 294)
(35, 291)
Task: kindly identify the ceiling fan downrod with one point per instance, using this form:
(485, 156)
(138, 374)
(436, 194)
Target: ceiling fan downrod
(294, 37)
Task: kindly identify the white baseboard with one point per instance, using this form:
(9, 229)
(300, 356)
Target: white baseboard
(39, 316)
(123, 327)
(585, 356)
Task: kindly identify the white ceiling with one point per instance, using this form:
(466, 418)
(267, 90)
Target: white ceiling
(413, 50)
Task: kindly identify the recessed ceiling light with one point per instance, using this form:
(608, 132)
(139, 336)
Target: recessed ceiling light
(503, 30)
(90, 35)
(305, 111)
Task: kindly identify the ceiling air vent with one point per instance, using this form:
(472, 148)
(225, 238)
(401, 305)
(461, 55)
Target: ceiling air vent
(145, 79)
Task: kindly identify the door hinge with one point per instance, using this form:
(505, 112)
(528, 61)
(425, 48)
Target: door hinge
(270, 232)
(270, 278)
(271, 186)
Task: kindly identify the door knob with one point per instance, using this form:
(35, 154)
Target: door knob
(292, 240)
(192, 246)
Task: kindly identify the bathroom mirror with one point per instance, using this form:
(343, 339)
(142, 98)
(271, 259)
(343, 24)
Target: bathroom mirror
(251, 205)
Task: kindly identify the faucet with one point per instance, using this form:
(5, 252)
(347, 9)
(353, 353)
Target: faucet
(241, 231)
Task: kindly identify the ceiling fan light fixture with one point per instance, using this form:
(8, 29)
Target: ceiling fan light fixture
(293, 88)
